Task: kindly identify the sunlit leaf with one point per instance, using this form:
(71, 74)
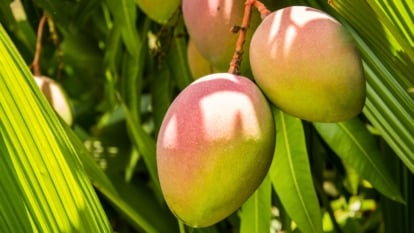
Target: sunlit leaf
(45, 184)
(94, 172)
(138, 207)
(380, 30)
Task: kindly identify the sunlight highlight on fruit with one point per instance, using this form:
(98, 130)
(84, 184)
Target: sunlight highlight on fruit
(307, 64)
(214, 148)
(209, 25)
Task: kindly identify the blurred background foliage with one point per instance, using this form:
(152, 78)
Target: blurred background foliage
(120, 65)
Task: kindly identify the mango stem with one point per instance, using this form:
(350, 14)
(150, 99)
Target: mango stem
(242, 30)
(35, 63)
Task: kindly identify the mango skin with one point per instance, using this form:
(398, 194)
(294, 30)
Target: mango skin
(307, 65)
(209, 23)
(159, 10)
(214, 147)
(56, 97)
(198, 65)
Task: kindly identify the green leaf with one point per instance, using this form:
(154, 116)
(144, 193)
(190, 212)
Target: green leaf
(146, 146)
(94, 172)
(211, 229)
(137, 219)
(385, 40)
(396, 17)
(291, 175)
(352, 179)
(15, 20)
(137, 206)
(162, 94)
(58, 10)
(357, 147)
(44, 185)
(125, 14)
(141, 199)
(256, 211)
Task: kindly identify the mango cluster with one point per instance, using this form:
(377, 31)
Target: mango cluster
(217, 139)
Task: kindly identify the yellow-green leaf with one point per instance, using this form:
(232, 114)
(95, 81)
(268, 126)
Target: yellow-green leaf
(291, 175)
(44, 185)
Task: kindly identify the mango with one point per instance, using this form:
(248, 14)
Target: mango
(56, 97)
(209, 24)
(159, 10)
(198, 65)
(307, 64)
(214, 147)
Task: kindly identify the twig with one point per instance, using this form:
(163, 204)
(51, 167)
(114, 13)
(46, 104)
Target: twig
(262, 9)
(242, 29)
(35, 63)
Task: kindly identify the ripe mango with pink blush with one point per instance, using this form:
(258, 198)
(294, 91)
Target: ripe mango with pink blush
(307, 64)
(209, 24)
(214, 147)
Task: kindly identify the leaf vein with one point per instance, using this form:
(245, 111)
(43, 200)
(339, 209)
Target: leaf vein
(291, 166)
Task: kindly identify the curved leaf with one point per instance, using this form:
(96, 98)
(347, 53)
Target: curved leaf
(177, 58)
(357, 148)
(256, 211)
(45, 187)
(125, 14)
(384, 37)
(291, 175)
(146, 146)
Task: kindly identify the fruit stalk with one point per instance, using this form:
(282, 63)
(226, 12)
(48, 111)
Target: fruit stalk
(35, 63)
(261, 8)
(238, 53)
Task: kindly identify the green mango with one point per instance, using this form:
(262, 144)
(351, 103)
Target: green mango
(159, 10)
(197, 64)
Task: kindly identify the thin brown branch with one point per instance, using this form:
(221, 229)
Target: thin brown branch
(35, 63)
(242, 30)
(262, 9)
(238, 53)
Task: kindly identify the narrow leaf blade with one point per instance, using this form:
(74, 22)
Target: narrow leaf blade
(48, 179)
(125, 14)
(380, 29)
(291, 175)
(256, 212)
